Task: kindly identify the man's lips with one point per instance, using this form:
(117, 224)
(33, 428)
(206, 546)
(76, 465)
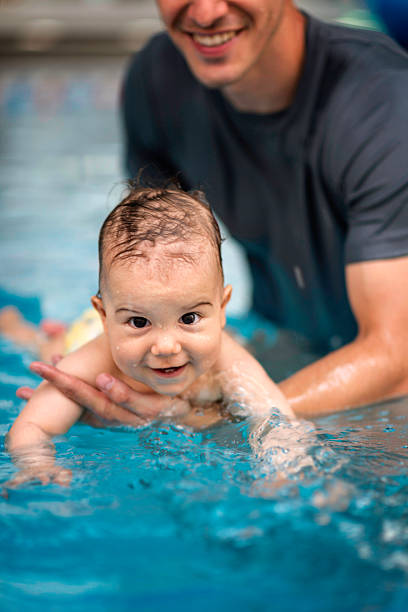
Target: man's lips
(169, 372)
(215, 43)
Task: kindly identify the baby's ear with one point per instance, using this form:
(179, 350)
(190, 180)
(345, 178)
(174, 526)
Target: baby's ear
(225, 299)
(98, 305)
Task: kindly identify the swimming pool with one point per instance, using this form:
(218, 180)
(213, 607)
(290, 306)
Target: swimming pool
(163, 518)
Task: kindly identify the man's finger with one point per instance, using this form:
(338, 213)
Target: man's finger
(145, 406)
(24, 393)
(85, 395)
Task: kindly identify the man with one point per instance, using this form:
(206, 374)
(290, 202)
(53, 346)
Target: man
(298, 132)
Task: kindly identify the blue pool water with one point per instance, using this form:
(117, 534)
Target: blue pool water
(163, 518)
(167, 518)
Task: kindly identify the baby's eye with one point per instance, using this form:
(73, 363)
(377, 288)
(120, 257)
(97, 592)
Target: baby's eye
(190, 317)
(138, 322)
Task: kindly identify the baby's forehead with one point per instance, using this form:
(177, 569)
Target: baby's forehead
(164, 258)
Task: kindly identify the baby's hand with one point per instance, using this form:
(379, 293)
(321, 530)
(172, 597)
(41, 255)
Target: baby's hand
(44, 473)
(36, 462)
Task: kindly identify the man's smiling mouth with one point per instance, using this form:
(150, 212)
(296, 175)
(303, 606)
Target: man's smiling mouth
(214, 40)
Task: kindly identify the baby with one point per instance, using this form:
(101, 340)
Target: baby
(162, 303)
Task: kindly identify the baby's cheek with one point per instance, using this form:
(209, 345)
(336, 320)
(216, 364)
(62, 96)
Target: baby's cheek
(209, 349)
(122, 358)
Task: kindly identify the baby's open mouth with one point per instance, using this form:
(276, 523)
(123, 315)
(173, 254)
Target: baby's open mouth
(169, 372)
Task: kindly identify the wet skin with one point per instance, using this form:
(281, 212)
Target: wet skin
(161, 334)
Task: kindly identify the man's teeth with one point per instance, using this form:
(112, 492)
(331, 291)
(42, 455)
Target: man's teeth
(213, 40)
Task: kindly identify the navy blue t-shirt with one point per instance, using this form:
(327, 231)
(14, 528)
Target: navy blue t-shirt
(306, 191)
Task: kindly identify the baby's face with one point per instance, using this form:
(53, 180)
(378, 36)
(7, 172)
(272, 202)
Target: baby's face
(164, 316)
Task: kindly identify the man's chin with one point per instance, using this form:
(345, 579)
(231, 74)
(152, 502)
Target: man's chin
(217, 83)
(213, 78)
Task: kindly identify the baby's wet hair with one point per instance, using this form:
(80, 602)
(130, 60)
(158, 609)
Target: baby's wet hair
(150, 214)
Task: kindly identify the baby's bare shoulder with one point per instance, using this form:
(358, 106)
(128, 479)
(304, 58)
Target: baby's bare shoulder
(89, 360)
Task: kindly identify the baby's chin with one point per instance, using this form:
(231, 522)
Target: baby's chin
(177, 391)
(205, 389)
(137, 385)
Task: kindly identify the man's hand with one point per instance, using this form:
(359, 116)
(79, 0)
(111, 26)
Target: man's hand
(112, 403)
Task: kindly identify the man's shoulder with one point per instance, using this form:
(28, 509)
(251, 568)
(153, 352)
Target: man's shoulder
(357, 49)
(356, 73)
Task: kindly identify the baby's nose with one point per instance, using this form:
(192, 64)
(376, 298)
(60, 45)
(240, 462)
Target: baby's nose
(165, 344)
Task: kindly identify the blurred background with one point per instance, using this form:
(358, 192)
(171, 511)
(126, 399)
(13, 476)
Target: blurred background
(112, 26)
(61, 65)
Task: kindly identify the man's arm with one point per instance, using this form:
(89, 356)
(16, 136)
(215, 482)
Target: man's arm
(374, 366)
(365, 166)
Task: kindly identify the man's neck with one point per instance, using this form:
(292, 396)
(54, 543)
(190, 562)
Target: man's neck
(270, 85)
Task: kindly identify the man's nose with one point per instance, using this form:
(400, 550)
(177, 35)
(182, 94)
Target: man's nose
(205, 13)
(165, 344)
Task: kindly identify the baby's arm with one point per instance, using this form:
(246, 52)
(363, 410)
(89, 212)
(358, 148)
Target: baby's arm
(281, 444)
(244, 381)
(49, 413)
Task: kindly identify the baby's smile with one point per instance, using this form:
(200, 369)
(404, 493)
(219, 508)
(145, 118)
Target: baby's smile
(169, 372)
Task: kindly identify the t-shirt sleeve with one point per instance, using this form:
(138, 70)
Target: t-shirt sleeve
(142, 134)
(369, 160)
